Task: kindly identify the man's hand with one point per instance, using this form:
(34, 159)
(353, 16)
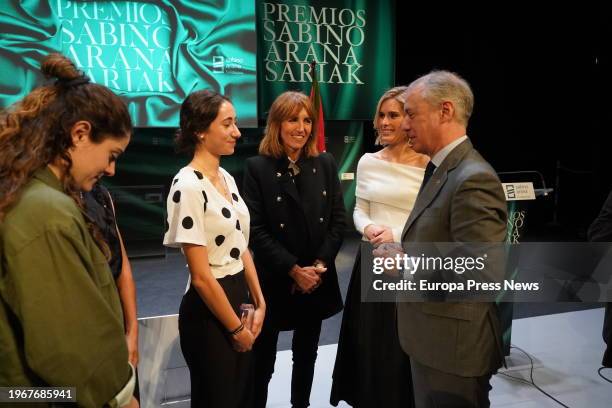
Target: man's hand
(389, 250)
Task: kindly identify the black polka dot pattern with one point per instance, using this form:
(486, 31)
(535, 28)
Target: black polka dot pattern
(187, 222)
(190, 221)
(177, 196)
(205, 200)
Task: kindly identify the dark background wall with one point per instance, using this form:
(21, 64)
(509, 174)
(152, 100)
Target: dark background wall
(538, 72)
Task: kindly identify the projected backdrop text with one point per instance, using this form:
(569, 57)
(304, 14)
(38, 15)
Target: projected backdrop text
(152, 53)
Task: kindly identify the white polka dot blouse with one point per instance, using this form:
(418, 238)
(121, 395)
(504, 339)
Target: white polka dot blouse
(199, 214)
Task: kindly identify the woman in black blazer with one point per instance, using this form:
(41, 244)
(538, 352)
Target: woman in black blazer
(297, 220)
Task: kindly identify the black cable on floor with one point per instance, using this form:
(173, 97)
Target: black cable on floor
(603, 376)
(532, 382)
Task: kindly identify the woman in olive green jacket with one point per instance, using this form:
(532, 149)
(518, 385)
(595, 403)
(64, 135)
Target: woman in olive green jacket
(60, 318)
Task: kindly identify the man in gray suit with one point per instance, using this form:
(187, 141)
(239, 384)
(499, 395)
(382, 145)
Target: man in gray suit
(454, 347)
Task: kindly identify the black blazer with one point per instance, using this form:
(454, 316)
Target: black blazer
(290, 227)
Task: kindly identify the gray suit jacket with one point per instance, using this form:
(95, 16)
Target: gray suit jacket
(463, 202)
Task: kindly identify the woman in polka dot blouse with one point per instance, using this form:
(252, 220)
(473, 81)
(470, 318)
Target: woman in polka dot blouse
(297, 221)
(208, 219)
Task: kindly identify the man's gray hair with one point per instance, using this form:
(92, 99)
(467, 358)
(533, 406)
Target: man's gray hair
(440, 86)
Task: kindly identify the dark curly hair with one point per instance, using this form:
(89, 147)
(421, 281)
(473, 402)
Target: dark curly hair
(198, 111)
(36, 130)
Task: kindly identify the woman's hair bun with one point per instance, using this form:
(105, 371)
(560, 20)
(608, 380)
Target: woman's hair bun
(58, 66)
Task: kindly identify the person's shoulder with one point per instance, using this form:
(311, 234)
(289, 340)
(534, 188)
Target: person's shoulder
(43, 201)
(261, 164)
(187, 181)
(475, 165)
(227, 175)
(366, 158)
(187, 177)
(370, 159)
(475, 172)
(260, 161)
(367, 164)
(98, 188)
(99, 194)
(326, 158)
(39, 208)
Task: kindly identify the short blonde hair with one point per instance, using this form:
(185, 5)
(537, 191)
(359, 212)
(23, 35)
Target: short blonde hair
(396, 93)
(285, 106)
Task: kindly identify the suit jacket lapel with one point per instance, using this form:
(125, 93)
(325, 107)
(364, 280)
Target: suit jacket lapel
(437, 180)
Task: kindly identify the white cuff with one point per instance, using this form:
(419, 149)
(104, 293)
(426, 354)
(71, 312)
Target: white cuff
(124, 396)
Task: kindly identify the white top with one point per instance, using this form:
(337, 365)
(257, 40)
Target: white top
(198, 214)
(385, 193)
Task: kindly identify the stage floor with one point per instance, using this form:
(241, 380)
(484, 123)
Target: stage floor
(567, 348)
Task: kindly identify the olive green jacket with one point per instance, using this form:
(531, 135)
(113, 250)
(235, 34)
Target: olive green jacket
(60, 317)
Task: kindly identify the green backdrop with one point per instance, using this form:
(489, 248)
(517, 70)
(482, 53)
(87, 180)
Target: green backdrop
(197, 44)
(352, 42)
(152, 53)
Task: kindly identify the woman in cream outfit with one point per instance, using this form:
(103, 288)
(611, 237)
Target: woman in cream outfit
(371, 370)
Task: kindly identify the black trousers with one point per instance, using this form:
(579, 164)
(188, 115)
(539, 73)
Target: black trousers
(304, 347)
(371, 369)
(220, 376)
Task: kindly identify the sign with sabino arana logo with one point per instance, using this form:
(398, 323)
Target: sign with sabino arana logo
(352, 43)
(153, 53)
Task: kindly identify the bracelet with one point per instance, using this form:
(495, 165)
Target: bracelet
(238, 330)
